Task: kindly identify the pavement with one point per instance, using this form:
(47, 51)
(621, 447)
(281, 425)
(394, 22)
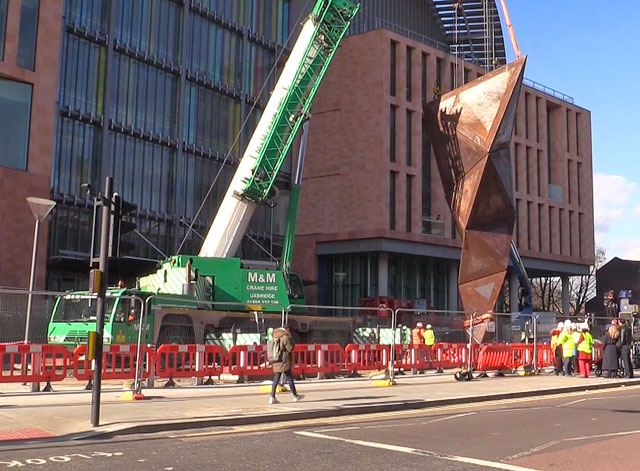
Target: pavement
(65, 414)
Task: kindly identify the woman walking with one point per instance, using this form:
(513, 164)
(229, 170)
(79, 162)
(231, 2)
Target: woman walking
(610, 351)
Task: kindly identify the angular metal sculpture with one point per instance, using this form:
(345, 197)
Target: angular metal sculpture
(471, 129)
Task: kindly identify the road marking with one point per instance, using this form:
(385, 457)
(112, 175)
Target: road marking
(416, 451)
(573, 402)
(570, 439)
(338, 429)
(595, 399)
(601, 435)
(448, 418)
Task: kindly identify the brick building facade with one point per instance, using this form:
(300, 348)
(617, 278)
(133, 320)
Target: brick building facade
(29, 58)
(373, 218)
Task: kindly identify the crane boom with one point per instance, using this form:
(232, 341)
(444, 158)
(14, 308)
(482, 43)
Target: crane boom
(282, 117)
(512, 33)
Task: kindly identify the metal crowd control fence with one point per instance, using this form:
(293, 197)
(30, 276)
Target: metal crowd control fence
(13, 315)
(346, 311)
(168, 302)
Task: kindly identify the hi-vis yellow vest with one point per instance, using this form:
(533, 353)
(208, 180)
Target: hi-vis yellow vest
(429, 337)
(587, 344)
(568, 344)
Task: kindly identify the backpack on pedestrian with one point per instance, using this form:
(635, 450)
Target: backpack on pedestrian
(274, 351)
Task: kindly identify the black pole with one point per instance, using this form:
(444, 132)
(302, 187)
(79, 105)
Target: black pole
(103, 267)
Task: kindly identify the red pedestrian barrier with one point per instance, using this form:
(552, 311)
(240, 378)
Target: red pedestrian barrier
(311, 359)
(545, 355)
(494, 357)
(521, 354)
(454, 355)
(363, 357)
(31, 363)
(118, 362)
(249, 360)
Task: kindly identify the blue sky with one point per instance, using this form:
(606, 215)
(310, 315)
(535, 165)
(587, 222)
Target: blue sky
(585, 49)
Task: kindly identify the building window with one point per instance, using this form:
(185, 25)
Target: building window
(3, 26)
(409, 67)
(517, 238)
(526, 116)
(578, 179)
(577, 130)
(15, 115)
(538, 101)
(569, 188)
(28, 34)
(424, 78)
(392, 134)
(392, 68)
(560, 217)
(567, 126)
(539, 171)
(527, 167)
(466, 75)
(529, 228)
(540, 210)
(409, 200)
(439, 73)
(392, 201)
(409, 145)
(551, 229)
(426, 180)
(516, 165)
(580, 225)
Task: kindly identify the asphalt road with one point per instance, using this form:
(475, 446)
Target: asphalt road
(578, 431)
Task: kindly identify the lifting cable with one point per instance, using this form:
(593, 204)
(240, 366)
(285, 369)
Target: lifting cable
(236, 139)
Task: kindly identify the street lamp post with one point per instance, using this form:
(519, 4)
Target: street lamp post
(41, 208)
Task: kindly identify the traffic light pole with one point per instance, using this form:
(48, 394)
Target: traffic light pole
(105, 230)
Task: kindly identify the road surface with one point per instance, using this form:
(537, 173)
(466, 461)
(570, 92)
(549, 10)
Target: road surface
(597, 430)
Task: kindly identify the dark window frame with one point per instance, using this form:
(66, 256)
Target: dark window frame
(25, 160)
(392, 200)
(4, 11)
(26, 55)
(392, 68)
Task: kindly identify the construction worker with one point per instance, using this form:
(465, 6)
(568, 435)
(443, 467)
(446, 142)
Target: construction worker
(429, 336)
(585, 347)
(556, 349)
(429, 340)
(568, 346)
(417, 335)
(575, 329)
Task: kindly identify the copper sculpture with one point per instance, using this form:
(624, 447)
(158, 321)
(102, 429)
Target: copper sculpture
(471, 129)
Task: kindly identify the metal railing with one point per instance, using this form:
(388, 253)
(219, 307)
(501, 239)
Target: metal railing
(548, 90)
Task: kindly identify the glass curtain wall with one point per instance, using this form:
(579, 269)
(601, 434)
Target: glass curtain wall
(355, 276)
(178, 102)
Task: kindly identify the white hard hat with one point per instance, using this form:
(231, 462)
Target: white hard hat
(560, 325)
(419, 324)
(428, 326)
(567, 323)
(584, 326)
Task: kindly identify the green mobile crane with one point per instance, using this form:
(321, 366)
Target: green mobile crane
(214, 276)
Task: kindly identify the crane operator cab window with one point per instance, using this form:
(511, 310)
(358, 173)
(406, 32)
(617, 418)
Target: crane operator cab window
(127, 311)
(296, 290)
